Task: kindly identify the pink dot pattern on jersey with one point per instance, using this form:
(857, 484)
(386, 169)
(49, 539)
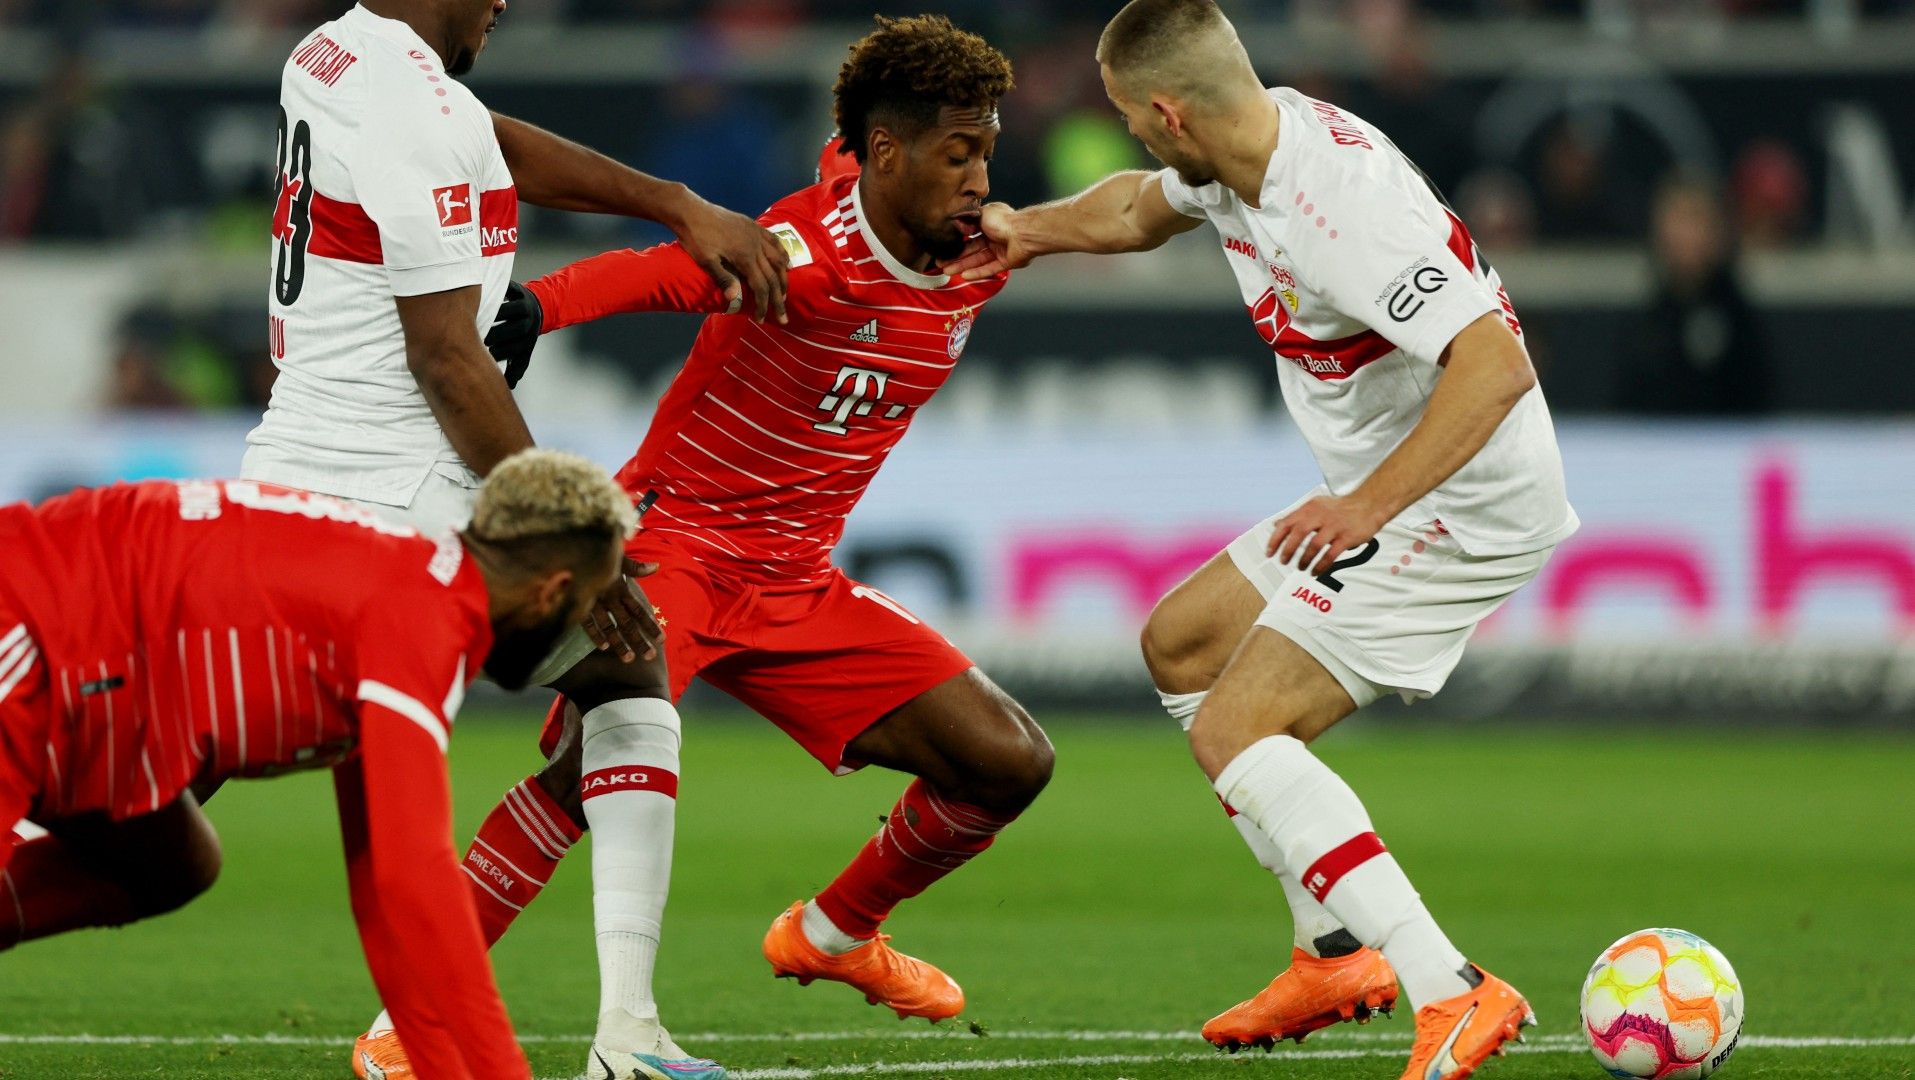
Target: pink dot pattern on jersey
(1333, 234)
(1309, 208)
(445, 110)
(1299, 198)
(440, 91)
(425, 67)
(1418, 547)
(1320, 221)
(1396, 569)
(1405, 560)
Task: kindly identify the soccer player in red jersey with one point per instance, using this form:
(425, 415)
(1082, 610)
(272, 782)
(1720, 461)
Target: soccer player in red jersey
(762, 446)
(157, 633)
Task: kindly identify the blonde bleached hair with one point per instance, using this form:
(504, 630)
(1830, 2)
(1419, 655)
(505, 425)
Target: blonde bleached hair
(537, 495)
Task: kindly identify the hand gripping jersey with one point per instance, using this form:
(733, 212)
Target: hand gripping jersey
(391, 184)
(770, 434)
(1358, 277)
(235, 629)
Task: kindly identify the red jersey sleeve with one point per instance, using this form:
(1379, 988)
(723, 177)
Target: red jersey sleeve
(662, 278)
(413, 907)
(419, 642)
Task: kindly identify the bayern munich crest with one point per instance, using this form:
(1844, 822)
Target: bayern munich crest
(960, 325)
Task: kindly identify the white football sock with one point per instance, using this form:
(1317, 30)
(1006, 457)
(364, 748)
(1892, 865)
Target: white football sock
(630, 786)
(1325, 839)
(824, 934)
(1309, 920)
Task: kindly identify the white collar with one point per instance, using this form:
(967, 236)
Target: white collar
(397, 31)
(885, 258)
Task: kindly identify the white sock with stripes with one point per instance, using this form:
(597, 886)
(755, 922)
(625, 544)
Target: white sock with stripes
(1324, 837)
(629, 784)
(1309, 920)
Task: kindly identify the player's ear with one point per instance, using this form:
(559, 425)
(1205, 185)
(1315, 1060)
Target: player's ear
(553, 592)
(882, 150)
(1172, 114)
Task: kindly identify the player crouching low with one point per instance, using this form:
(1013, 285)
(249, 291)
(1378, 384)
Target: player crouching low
(160, 634)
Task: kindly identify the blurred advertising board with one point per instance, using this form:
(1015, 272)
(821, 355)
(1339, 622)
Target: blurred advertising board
(1722, 569)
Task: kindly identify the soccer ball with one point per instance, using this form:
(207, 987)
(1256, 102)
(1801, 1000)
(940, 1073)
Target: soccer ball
(1662, 1005)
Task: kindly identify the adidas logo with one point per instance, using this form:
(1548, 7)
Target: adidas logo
(866, 334)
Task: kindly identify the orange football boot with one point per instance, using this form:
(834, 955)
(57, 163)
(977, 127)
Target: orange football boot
(1311, 993)
(904, 984)
(380, 1057)
(1456, 1035)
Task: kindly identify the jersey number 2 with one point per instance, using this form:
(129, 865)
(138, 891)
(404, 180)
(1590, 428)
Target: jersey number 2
(1350, 559)
(292, 210)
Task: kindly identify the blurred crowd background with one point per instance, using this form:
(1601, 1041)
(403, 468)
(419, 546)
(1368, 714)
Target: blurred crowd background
(1704, 212)
(1704, 195)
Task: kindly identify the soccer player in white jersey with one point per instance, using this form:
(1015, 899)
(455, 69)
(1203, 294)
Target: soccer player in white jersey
(1402, 363)
(393, 239)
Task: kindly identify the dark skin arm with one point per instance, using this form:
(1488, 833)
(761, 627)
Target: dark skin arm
(554, 172)
(468, 395)
(459, 378)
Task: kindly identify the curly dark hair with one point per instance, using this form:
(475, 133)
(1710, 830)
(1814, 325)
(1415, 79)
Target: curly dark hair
(902, 73)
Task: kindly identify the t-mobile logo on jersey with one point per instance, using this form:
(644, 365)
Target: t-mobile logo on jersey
(855, 392)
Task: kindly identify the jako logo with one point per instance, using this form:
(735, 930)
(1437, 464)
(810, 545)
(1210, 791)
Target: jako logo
(1312, 598)
(1242, 247)
(615, 779)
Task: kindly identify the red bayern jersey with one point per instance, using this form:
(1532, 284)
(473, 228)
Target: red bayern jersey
(231, 628)
(770, 434)
(240, 629)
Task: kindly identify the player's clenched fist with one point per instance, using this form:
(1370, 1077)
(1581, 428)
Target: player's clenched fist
(1322, 529)
(996, 249)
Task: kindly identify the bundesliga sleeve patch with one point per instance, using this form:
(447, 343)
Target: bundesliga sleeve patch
(795, 247)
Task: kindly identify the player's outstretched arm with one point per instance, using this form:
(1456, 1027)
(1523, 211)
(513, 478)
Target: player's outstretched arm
(558, 173)
(459, 378)
(413, 905)
(1125, 211)
(1486, 372)
(662, 278)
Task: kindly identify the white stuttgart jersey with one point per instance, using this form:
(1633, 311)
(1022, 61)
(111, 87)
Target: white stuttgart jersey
(1357, 277)
(391, 184)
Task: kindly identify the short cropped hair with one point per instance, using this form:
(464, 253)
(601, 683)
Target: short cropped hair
(1161, 42)
(541, 507)
(899, 75)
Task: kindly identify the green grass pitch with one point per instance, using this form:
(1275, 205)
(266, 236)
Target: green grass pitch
(1098, 935)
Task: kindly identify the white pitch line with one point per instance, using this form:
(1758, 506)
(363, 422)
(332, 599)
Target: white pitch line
(1770, 1042)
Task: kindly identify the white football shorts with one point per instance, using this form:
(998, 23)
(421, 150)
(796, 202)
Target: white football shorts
(1393, 615)
(443, 503)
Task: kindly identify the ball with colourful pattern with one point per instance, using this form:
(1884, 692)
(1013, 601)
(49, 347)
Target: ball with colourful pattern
(1662, 1005)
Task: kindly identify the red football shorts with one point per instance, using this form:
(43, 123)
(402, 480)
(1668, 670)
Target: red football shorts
(26, 713)
(823, 660)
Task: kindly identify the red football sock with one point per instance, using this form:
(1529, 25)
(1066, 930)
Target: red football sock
(514, 852)
(925, 838)
(44, 890)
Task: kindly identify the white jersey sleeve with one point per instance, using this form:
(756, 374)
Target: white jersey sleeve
(1392, 268)
(1186, 200)
(419, 179)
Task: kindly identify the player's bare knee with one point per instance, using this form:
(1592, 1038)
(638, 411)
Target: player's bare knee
(1182, 658)
(560, 777)
(1220, 732)
(1019, 767)
(159, 889)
